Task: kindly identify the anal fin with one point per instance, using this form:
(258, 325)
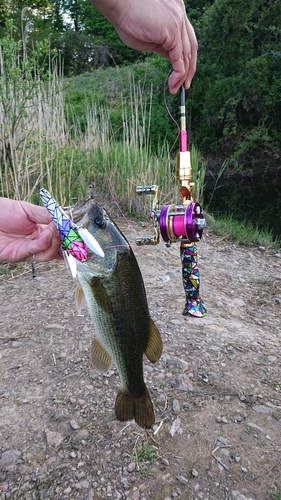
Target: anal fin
(154, 347)
(100, 358)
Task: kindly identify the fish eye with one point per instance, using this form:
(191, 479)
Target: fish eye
(100, 222)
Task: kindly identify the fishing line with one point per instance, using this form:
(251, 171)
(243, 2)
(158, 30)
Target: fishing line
(165, 86)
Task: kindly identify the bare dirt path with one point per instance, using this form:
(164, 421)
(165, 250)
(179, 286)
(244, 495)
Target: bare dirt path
(216, 390)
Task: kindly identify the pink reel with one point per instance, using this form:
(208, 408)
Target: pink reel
(181, 223)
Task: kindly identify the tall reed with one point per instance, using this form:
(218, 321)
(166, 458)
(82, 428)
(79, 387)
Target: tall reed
(42, 144)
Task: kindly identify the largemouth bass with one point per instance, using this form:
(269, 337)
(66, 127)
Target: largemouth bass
(114, 292)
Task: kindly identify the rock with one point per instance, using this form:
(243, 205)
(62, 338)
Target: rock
(255, 427)
(9, 456)
(81, 485)
(81, 435)
(263, 409)
(176, 406)
(175, 361)
(74, 425)
(238, 496)
(175, 427)
(272, 359)
(53, 438)
(195, 473)
(182, 480)
(184, 383)
(166, 277)
(131, 467)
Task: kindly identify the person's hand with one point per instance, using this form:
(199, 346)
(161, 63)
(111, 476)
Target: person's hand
(27, 233)
(158, 25)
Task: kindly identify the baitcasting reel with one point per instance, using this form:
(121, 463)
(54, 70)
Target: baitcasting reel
(174, 223)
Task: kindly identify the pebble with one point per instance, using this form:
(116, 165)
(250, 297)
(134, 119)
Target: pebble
(81, 435)
(175, 427)
(74, 425)
(272, 359)
(53, 438)
(182, 480)
(131, 467)
(263, 409)
(81, 485)
(176, 406)
(175, 361)
(195, 473)
(9, 456)
(236, 495)
(184, 383)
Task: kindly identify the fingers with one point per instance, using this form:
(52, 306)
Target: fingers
(191, 58)
(45, 247)
(183, 58)
(37, 214)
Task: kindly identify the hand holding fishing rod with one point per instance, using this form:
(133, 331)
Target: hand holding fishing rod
(184, 222)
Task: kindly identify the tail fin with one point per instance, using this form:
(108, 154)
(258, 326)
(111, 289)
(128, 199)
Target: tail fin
(139, 408)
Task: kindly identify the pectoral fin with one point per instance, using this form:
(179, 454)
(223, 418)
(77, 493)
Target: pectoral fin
(100, 358)
(154, 346)
(80, 298)
(101, 297)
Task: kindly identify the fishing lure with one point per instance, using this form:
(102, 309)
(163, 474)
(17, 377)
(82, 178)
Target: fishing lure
(74, 239)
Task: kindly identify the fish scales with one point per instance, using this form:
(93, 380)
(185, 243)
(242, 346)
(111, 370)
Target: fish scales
(114, 291)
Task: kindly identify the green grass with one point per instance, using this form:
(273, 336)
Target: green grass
(275, 494)
(241, 233)
(145, 453)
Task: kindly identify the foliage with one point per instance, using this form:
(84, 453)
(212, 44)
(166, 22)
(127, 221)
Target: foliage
(241, 233)
(20, 98)
(145, 453)
(111, 88)
(236, 94)
(275, 494)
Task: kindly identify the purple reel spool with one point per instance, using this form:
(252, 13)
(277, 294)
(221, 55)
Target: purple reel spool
(179, 222)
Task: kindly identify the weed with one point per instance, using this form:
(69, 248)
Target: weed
(250, 428)
(276, 494)
(145, 453)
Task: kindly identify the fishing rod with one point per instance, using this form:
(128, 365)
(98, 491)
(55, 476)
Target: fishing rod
(183, 222)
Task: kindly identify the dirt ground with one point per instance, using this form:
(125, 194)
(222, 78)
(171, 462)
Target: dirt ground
(216, 389)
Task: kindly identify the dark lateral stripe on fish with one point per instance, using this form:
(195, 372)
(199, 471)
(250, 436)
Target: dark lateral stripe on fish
(139, 408)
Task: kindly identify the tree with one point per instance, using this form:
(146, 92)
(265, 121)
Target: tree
(236, 94)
